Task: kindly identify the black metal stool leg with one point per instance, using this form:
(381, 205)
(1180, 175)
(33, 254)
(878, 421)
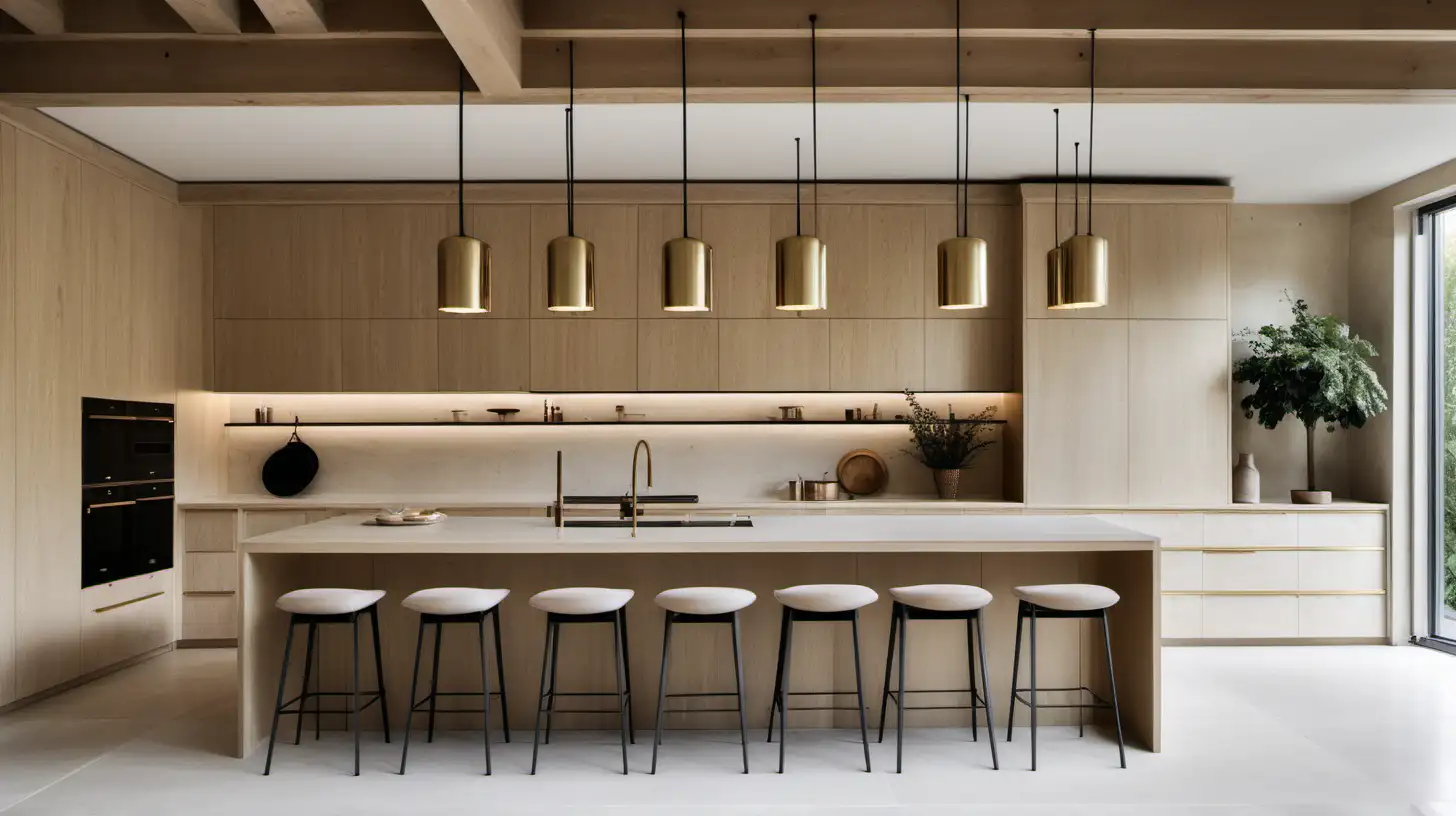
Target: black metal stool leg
(738, 690)
(1112, 681)
(434, 681)
(899, 698)
(986, 687)
(278, 706)
(318, 677)
(778, 672)
(551, 690)
(662, 685)
(307, 672)
(540, 698)
(627, 672)
(889, 664)
(484, 692)
(1015, 669)
(379, 670)
(783, 695)
(864, 733)
(354, 691)
(409, 717)
(1033, 687)
(971, 658)
(619, 649)
(500, 677)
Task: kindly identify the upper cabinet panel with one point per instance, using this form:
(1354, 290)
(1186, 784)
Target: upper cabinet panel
(389, 259)
(1179, 260)
(506, 229)
(876, 260)
(612, 229)
(1110, 221)
(657, 224)
(743, 258)
(278, 261)
(997, 225)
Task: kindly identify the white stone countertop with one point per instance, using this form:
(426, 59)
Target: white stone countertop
(354, 534)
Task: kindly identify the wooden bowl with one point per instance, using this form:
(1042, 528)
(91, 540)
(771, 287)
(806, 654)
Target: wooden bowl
(862, 472)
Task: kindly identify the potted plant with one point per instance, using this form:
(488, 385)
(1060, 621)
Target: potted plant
(947, 445)
(1314, 370)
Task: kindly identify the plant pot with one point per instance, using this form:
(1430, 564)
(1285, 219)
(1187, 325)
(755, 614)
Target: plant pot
(947, 482)
(1311, 496)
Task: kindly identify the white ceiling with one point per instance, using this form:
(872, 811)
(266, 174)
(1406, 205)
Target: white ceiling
(1269, 152)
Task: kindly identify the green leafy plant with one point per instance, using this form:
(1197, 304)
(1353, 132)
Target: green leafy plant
(948, 444)
(1314, 370)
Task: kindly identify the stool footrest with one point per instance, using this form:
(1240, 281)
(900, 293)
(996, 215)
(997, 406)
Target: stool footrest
(703, 694)
(704, 710)
(1098, 701)
(583, 711)
(824, 708)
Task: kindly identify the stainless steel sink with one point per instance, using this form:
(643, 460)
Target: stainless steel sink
(739, 522)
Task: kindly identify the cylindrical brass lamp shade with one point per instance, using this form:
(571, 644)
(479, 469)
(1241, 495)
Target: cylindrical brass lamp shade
(961, 266)
(1056, 265)
(1083, 280)
(801, 281)
(571, 280)
(464, 276)
(687, 276)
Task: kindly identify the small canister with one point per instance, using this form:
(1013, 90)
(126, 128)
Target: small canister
(796, 489)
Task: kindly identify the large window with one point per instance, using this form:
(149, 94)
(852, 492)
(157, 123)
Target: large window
(1438, 225)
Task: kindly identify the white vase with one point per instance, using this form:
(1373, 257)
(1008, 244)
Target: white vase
(1246, 480)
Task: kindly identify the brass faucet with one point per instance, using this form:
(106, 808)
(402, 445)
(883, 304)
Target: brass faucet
(641, 443)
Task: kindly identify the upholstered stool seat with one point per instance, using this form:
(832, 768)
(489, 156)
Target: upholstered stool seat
(826, 597)
(454, 600)
(1068, 597)
(581, 600)
(328, 601)
(705, 600)
(943, 597)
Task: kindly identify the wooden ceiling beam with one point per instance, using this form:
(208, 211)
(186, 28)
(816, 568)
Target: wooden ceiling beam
(294, 16)
(209, 16)
(40, 16)
(486, 34)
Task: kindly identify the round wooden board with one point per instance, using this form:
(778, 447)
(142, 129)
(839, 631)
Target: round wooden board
(862, 472)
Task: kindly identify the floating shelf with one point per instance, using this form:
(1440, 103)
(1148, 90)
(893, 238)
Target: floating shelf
(604, 422)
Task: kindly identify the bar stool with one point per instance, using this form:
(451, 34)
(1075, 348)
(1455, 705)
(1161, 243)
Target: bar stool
(703, 605)
(1063, 601)
(937, 602)
(440, 606)
(814, 603)
(583, 605)
(317, 607)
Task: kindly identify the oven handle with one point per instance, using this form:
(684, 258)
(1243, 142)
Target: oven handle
(91, 507)
(154, 498)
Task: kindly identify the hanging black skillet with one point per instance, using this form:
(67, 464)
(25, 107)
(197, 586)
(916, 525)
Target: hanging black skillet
(291, 468)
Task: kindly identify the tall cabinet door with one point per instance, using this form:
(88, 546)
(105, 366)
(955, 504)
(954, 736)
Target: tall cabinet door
(1178, 412)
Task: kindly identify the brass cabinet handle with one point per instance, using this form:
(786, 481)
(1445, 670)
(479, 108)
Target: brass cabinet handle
(1226, 551)
(154, 498)
(91, 507)
(129, 603)
(208, 593)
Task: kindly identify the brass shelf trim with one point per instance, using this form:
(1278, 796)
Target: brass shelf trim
(115, 606)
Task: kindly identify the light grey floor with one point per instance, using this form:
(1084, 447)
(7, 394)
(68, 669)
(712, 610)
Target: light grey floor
(1252, 731)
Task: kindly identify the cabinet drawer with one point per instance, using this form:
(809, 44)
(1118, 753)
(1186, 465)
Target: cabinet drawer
(1342, 616)
(1224, 571)
(209, 617)
(1182, 616)
(259, 522)
(1342, 530)
(209, 530)
(1182, 571)
(114, 630)
(1325, 569)
(1250, 530)
(1251, 616)
(1173, 529)
(210, 572)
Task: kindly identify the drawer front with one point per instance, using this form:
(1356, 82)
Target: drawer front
(1251, 616)
(1325, 569)
(259, 522)
(1182, 571)
(1182, 616)
(1342, 530)
(210, 530)
(1224, 571)
(1342, 616)
(210, 572)
(209, 617)
(1173, 529)
(1250, 530)
(115, 630)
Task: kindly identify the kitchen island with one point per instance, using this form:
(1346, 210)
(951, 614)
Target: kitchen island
(527, 555)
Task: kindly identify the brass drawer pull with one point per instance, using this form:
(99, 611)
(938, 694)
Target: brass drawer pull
(155, 498)
(208, 593)
(91, 507)
(153, 419)
(129, 603)
(112, 416)
(1226, 551)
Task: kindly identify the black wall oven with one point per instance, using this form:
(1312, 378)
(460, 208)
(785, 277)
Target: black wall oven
(127, 492)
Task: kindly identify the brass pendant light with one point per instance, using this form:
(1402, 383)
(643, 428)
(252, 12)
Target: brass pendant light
(464, 262)
(801, 262)
(570, 259)
(961, 261)
(1084, 255)
(687, 263)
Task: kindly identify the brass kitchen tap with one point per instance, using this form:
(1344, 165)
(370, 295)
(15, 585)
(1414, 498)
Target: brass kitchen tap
(641, 443)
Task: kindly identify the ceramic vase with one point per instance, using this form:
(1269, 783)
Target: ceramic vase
(1246, 480)
(947, 482)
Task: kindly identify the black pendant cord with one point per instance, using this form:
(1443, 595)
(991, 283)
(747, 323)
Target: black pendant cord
(460, 136)
(683, 22)
(571, 139)
(1076, 187)
(966, 182)
(814, 108)
(1091, 120)
(1057, 165)
(798, 187)
(960, 225)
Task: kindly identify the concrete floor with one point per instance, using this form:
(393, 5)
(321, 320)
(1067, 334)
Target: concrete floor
(1313, 731)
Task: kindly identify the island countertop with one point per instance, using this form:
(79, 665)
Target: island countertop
(769, 534)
